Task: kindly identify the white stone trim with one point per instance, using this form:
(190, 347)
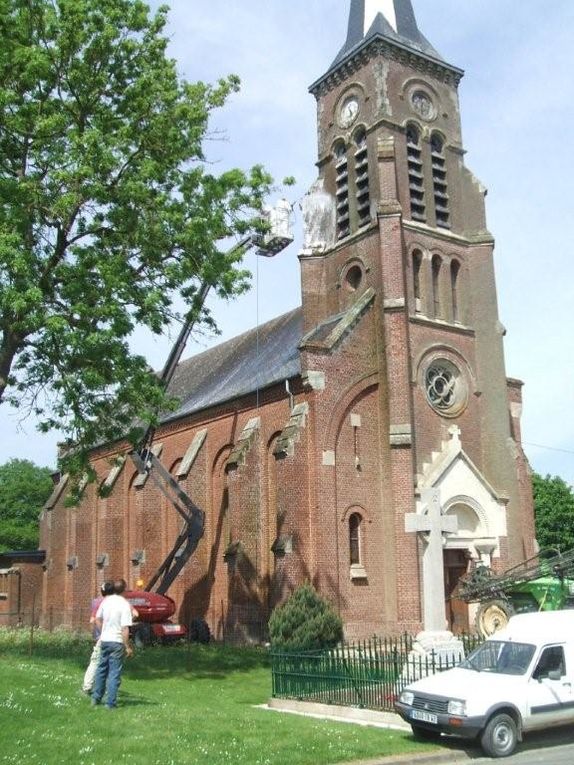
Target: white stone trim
(516, 410)
(329, 457)
(465, 499)
(141, 478)
(191, 454)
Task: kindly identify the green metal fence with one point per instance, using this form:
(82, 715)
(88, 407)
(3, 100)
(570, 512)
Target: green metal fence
(368, 674)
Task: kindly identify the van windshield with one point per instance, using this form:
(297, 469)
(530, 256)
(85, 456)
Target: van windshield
(500, 657)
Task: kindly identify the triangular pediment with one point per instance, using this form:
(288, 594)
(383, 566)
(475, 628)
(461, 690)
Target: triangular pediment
(453, 459)
(459, 482)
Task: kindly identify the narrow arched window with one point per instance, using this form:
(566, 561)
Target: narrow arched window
(355, 539)
(436, 268)
(417, 268)
(362, 178)
(342, 190)
(416, 175)
(454, 286)
(440, 187)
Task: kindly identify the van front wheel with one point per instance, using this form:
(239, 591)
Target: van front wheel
(500, 736)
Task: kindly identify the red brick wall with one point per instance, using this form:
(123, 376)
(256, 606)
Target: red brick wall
(21, 595)
(10, 599)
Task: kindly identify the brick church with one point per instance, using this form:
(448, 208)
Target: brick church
(317, 443)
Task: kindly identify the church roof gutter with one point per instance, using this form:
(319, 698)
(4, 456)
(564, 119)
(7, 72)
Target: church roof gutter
(377, 37)
(226, 402)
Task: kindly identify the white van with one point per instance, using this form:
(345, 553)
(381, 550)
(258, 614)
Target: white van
(520, 679)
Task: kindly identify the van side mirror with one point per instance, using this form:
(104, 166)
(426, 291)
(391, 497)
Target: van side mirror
(555, 674)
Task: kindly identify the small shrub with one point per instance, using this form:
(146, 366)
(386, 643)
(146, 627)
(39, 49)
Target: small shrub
(305, 622)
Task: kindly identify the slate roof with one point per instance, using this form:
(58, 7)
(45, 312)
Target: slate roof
(407, 32)
(406, 35)
(256, 359)
(11, 557)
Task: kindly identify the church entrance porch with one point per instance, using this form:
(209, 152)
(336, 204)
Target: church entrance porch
(455, 566)
(459, 516)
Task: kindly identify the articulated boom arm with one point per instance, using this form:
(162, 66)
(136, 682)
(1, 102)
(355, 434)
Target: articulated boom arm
(146, 462)
(174, 359)
(193, 518)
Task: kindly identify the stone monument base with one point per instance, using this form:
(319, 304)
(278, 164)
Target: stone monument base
(432, 652)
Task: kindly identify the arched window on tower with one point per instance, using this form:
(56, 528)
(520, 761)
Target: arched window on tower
(417, 274)
(436, 268)
(362, 178)
(454, 287)
(342, 192)
(439, 180)
(416, 176)
(355, 539)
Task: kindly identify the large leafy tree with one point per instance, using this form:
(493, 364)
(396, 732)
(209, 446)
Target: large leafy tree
(108, 209)
(24, 488)
(554, 511)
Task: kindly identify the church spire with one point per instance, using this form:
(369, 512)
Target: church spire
(393, 19)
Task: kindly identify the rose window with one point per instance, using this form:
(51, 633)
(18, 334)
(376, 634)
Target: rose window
(422, 105)
(445, 388)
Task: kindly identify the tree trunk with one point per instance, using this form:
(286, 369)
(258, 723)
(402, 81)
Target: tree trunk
(8, 350)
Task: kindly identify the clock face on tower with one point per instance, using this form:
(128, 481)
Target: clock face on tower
(348, 111)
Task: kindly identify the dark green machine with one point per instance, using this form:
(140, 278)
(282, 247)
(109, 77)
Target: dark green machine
(542, 583)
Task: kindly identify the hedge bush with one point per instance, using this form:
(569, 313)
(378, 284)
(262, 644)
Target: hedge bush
(304, 622)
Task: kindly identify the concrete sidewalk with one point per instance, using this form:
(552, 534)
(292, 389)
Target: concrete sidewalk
(444, 757)
(339, 714)
(369, 717)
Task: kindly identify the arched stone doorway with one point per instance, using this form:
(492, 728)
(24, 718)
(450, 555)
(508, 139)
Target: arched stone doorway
(470, 543)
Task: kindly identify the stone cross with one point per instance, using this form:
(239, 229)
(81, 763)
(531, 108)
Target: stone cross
(435, 524)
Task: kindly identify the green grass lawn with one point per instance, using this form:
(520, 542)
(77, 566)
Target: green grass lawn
(177, 706)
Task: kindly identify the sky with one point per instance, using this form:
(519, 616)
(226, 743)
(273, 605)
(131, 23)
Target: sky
(517, 101)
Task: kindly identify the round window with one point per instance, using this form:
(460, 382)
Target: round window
(423, 105)
(353, 278)
(445, 386)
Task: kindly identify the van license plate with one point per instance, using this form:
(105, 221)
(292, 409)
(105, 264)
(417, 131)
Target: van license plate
(417, 714)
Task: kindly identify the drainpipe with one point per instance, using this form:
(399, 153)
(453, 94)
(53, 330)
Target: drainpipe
(291, 399)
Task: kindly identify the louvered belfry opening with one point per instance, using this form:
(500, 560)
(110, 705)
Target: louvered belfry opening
(439, 179)
(362, 179)
(416, 175)
(342, 192)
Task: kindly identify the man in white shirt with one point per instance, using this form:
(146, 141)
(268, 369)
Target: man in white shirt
(106, 589)
(114, 618)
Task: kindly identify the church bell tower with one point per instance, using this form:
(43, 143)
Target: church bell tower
(398, 256)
